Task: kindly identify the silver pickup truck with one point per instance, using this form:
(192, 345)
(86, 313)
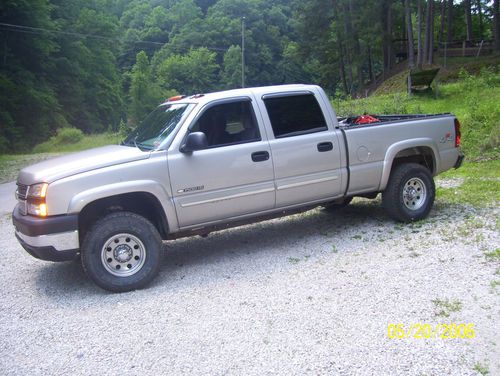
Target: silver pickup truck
(206, 162)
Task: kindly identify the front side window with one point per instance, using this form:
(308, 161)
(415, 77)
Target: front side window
(157, 126)
(228, 123)
(295, 115)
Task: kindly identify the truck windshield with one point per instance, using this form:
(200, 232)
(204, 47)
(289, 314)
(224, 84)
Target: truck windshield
(156, 127)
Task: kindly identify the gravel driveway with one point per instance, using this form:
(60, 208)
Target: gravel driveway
(308, 294)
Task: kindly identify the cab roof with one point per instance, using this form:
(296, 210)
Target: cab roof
(257, 91)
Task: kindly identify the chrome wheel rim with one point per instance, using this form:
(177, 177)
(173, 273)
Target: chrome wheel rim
(414, 194)
(123, 255)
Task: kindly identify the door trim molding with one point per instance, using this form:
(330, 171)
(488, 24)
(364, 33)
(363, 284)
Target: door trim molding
(238, 195)
(308, 182)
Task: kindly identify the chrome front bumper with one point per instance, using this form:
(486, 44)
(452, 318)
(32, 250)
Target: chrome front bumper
(51, 238)
(62, 241)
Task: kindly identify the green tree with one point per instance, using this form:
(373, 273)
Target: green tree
(29, 110)
(231, 73)
(144, 93)
(191, 73)
(86, 76)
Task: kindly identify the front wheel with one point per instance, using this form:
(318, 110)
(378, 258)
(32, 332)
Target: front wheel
(410, 193)
(122, 252)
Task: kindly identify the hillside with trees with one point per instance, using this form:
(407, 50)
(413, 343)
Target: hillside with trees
(94, 65)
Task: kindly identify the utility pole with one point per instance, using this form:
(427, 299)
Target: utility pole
(243, 52)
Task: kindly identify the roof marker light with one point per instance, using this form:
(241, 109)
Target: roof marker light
(175, 98)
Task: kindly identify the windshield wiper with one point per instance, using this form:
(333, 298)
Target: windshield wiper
(134, 143)
(141, 146)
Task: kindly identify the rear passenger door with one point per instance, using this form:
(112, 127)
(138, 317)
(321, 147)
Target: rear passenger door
(305, 151)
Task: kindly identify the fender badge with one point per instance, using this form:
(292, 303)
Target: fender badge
(191, 189)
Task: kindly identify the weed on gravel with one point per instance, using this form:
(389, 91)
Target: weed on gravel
(482, 369)
(493, 255)
(445, 307)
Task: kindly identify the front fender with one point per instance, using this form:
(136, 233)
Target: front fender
(83, 198)
(397, 147)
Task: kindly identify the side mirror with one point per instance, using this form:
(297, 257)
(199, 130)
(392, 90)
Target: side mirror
(194, 141)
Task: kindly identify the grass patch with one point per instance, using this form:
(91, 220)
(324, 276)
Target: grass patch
(473, 99)
(450, 73)
(64, 142)
(445, 307)
(480, 187)
(11, 164)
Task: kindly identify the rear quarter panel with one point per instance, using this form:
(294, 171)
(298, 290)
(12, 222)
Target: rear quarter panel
(372, 148)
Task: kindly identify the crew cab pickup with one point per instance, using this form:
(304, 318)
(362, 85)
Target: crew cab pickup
(205, 162)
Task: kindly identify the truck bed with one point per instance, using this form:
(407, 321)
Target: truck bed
(349, 122)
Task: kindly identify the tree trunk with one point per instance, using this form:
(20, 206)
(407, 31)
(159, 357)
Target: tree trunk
(387, 34)
(409, 31)
(342, 66)
(496, 26)
(358, 58)
(450, 22)
(420, 57)
(347, 53)
(350, 80)
(480, 16)
(468, 20)
(441, 27)
(371, 73)
(430, 53)
(427, 30)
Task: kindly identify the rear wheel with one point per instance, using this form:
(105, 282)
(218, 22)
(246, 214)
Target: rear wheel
(122, 252)
(410, 193)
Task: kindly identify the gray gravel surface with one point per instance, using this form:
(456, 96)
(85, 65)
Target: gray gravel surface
(308, 294)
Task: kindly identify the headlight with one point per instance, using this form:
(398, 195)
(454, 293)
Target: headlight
(36, 199)
(38, 190)
(39, 210)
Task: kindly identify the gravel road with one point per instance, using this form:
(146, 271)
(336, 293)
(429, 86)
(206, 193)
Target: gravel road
(308, 294)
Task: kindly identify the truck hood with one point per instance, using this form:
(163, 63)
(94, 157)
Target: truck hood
(76, 163)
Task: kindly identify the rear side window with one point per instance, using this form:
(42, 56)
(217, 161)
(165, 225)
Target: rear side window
(295, 115)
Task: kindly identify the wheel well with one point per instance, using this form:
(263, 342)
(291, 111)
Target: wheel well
(421, 155)
(142, 203)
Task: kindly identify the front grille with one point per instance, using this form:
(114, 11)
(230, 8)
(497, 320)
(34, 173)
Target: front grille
(22, 194)
(22, 191)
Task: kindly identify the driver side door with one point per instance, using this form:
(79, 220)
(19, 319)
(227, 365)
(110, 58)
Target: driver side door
(233, 176)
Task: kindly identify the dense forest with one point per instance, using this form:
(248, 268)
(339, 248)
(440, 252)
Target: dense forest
(99, 64)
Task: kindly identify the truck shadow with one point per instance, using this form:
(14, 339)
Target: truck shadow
(63, 280)
(235, 253)
(275, 240)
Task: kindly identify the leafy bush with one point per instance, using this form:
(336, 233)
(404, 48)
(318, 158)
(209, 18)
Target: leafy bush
(68, 136)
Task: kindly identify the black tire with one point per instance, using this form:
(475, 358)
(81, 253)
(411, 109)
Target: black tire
(410, 193)
(122, 252)
(337, 204)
